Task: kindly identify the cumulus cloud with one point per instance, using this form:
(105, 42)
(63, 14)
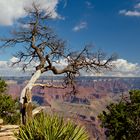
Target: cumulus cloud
(80, 26)
(130, 13)
(6, 68)
(3, 64)
(135, 12)
(123, 68)
(11, 10)
(13, 59)
(61, 63)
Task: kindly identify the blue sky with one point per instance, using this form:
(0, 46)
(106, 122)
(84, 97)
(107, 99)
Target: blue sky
(105, 26)
(111, 25)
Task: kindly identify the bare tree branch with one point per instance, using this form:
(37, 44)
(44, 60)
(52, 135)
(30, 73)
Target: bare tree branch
(49, 85)
(42, 45)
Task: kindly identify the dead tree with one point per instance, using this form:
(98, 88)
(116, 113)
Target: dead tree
(40, 44)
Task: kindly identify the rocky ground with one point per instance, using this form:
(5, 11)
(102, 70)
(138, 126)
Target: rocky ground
(7, 131)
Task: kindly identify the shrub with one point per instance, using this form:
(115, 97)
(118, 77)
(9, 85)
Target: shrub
(9, 109)
(3, 86)
(8, 106)
(122, 120)
(51, 128)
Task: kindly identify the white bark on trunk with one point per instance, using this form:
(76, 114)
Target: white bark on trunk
(30, 85)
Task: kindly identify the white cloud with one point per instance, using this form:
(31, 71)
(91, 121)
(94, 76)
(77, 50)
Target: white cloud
(130, 13)
(11, 10)
(133, 13)
(125, 66)
(3, 64)
(6, 68)
(123, 69)
(61, 63)
(80, 26)
(13, 59)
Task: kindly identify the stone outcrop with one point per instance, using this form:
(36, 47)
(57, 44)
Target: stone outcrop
(7, 132)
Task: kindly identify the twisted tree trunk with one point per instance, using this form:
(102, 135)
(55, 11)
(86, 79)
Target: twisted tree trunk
(26, 98)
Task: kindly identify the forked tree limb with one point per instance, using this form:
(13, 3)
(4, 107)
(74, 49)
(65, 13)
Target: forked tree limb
(44, 47)
(49, 85)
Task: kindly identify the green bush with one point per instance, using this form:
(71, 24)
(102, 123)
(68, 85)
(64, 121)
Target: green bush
(47, 127)
(9, 109)
(8, 106)
(3, 86)
(122, 120)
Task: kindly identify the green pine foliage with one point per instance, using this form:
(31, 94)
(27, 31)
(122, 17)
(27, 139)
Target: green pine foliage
(48, 127)
(3, 86)
(122, 120)
(8, 106)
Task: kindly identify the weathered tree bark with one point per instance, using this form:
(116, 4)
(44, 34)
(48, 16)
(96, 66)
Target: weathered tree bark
(30, 85)
(26, 98)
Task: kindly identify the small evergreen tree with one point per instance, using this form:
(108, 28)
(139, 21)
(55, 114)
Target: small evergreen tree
(8, 106)
(122, 120)
(3, 86)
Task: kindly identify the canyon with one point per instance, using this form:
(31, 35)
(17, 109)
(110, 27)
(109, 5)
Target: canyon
(92, 96)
